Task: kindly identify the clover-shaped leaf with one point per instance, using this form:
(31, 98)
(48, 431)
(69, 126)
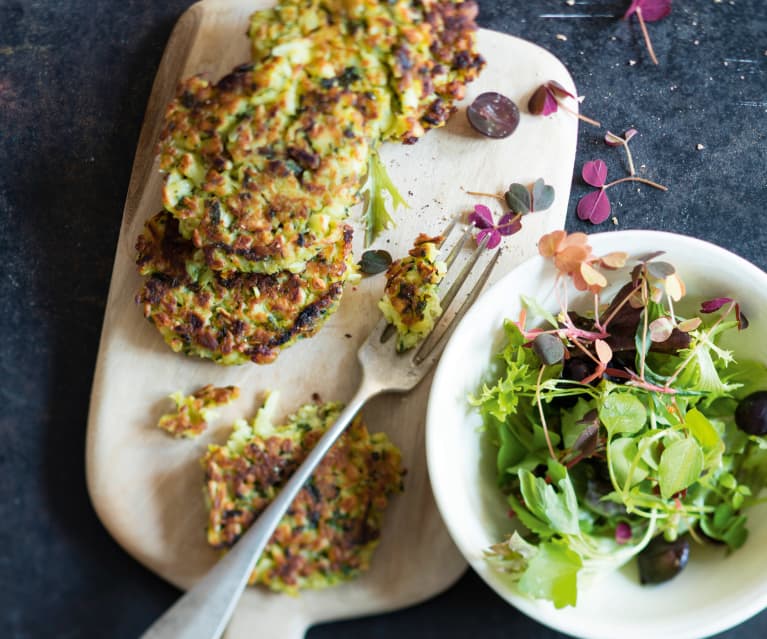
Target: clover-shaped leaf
(543, 195)
(594, 207)
(518, 198)
(594, 173)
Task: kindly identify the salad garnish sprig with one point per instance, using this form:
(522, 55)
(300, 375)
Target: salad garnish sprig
(623, 428)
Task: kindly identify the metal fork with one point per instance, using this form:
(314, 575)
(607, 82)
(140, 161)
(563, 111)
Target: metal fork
(204, 611)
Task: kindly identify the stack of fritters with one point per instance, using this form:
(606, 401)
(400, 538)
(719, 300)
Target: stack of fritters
(334, 524)
(262, 168)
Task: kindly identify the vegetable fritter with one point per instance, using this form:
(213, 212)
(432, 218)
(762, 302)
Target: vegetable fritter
(193, 411)
(427, 46)
(334, 525)
(410, 300)
(261, 166)
(237, 317)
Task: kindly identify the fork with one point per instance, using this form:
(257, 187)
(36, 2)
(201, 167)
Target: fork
(204, 611)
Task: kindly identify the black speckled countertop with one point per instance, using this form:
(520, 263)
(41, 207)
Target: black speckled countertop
(74, 80)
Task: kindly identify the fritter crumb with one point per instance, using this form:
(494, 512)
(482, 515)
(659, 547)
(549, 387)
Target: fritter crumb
(193, 411)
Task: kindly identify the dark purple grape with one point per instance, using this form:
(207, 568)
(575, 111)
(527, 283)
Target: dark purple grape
(493, 115)
(577, 368)
(662, 560)
(751, 413)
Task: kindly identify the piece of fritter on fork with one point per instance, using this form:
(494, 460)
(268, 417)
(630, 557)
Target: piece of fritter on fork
(411, 302)
(236, 317)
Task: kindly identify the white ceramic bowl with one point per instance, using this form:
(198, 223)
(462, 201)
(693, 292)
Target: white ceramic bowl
(715, 591)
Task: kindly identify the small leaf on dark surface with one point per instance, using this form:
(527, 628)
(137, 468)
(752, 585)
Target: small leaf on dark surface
(611, 139)
(373, 262)
(594, 206)
(594, 173)
(558, 90)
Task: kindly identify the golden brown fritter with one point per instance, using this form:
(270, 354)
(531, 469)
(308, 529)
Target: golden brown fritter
(193, 411)
(334, 524)
(237, 317)
(427, 46)
(261, 167)
(410, 300)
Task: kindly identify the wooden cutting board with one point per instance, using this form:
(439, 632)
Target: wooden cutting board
(147, 487)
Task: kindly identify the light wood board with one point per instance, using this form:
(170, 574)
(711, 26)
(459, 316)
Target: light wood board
(147, 487)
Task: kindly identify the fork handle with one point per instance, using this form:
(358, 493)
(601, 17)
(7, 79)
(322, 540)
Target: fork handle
(204, 611)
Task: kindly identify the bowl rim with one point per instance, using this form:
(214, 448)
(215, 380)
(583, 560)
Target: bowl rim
(599, 241)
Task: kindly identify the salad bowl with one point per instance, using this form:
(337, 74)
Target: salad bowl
(717, 589)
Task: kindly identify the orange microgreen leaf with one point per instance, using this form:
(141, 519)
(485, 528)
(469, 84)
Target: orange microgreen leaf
(614, 260)
(675, 288)
(604, 352)
(594, 280)
(661, 329)
(689, 324)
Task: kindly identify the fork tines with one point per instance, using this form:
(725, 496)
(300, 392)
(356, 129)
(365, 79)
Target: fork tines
(432, 345)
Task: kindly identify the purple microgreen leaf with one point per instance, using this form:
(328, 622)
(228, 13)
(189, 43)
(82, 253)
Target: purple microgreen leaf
(648, 11)
(587, 440)
(594, 206)
(482, 218)
(632, 9)
(622, 533)
(613, 140)
(543, 196)
(654, 10)
(509, 224)
(557, 90)
(741, 317)
(542, 102)
(373, 262)
(660, 270)
(715, 304)
(594, 173)
(629, 134)
(494, 237)
(591, 417)
(518, 198)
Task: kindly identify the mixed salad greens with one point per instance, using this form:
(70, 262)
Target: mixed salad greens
(627, 431)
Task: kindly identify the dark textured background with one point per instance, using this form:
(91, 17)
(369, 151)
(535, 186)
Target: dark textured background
(74, 80)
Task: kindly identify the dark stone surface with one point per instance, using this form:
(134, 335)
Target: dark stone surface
(74, 80)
